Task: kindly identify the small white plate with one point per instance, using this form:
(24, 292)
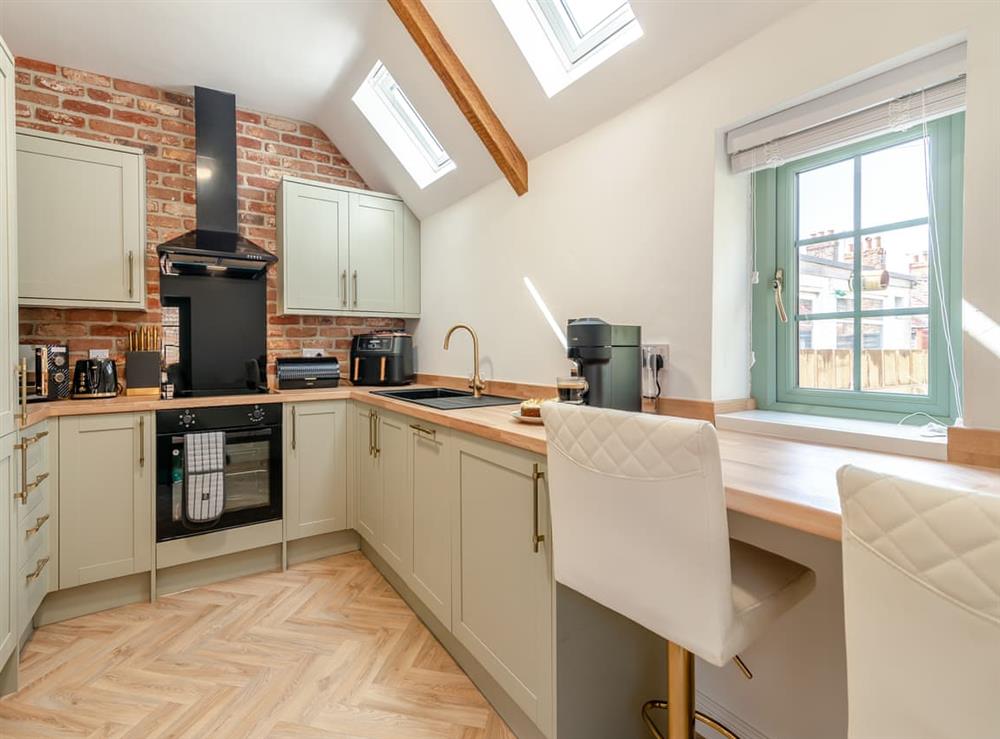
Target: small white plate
(535, 420)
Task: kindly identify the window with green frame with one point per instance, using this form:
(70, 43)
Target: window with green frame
(866, 241)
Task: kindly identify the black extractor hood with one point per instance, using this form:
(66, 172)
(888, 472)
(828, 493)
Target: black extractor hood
(215, 247)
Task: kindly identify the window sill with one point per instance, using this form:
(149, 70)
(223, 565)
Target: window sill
(874, 436)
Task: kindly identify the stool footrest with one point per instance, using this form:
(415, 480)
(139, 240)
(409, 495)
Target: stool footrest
(698, 715)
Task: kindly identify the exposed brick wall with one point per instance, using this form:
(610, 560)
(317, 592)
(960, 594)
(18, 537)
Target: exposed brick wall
(160, 122)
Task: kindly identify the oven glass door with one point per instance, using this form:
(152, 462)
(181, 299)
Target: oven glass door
(252, 482)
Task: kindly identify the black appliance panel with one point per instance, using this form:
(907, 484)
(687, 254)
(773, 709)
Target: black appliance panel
(253, 466)
(382, 359)
(610, 358)
(223, 334)
(298, 373)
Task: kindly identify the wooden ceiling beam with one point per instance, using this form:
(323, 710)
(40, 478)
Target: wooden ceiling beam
(463, 89)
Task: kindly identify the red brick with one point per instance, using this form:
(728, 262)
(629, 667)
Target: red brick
(22, 78)
(180, 127)
(181, 183)
(164, 221)
(180, 155)
(110, 329)
(185, 101)
(33, 96)
(314, 156)
(162, 193)
(115, 129)
(88, 314)
(329, 171)
(22, 111)
(262, 133)
(166, 109)
(35, 65)
(60, 86)
(281, 149)
(37, 126)
(308, 129)
(130, 116)
(115, 98)
(163, 166)
(300, 332)
(87, 78)
(256, 206)
(82, 106)
(60, 118)
(291, 138)
(262, 183)
(280, 124)
(248, 143)
(159, 138)
(298, 165)
(245, 116)
(62, 329)
(135, 88)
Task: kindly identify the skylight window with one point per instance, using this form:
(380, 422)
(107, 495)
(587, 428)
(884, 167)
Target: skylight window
(564, 39)
(400, 126)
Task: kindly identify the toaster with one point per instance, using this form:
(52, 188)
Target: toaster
(382, 358)
(299, 373)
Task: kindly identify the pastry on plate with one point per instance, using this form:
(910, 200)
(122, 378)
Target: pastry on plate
(532, 408)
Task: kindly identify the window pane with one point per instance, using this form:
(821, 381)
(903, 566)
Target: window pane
(893, 185)
(895, 268)
(825, 284)
(894, 354)
(826, 354)
(826, 200)
(587, 15)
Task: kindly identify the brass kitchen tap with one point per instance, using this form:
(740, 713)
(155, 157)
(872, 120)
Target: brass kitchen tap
(476, 383)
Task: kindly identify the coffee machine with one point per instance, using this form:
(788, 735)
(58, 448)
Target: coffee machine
(610, 359)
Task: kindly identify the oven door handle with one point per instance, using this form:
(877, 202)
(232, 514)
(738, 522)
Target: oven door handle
(256, 433)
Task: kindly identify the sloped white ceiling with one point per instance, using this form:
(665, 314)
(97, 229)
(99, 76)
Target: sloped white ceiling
(304, 59)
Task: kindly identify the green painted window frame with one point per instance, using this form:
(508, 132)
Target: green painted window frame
(775, 344)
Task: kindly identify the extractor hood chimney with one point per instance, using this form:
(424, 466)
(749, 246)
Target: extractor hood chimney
(215, 247)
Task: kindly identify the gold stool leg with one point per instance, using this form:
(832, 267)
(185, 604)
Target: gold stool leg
(680, 700)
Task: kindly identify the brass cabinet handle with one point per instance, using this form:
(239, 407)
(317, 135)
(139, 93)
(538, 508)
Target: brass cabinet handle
(371, 433)
(378, 435)
(23, 384)
(142, 441)
(38, 481)
(39, 522)
(37, 437)
(131, 273)
(343, 287)
(39, 566)
(355, 287)
(293, 428)
(426, 432)
(536, 476)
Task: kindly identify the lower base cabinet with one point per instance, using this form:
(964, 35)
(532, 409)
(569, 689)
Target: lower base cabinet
(456, 518)
(315, 468)
(106, 483)
(504, 593)
(8, 551)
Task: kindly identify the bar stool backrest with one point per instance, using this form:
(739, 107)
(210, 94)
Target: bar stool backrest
(922, 608)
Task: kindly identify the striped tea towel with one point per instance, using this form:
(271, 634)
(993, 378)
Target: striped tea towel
(204, 462)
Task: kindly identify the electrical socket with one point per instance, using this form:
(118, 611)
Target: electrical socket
(99, 354)
(312, 352)
(663, 352)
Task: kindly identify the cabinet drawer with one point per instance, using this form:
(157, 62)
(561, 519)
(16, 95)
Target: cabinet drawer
(39, 494)
(31, 588)
(32, 534)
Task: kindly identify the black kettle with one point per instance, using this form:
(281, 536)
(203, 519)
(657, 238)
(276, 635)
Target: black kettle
(95, 378)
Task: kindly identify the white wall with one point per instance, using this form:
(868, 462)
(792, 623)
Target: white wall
(638, 220)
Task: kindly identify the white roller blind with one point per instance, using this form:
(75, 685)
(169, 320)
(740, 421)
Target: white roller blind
(929, 88)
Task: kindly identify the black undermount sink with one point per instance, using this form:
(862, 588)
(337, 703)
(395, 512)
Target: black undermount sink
(445, 399)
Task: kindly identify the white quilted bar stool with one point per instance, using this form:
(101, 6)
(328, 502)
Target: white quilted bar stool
(921, 607)
(639, 525)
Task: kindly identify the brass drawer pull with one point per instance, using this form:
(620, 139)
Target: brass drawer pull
(37, 437)
(142, 441)
(426, 432)
(39, 566)
(39, 522)
(293, 428)
(536, 476)
(38, 481)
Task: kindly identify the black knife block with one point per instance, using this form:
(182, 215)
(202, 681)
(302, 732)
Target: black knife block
(142, 373)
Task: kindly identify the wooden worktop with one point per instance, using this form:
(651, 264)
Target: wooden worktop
(786, 482)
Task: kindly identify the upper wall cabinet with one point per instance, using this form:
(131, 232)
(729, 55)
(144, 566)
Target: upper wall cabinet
(8, 247)
(81, 223)
(346, 251)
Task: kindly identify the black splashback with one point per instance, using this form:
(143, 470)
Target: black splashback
(223, 333)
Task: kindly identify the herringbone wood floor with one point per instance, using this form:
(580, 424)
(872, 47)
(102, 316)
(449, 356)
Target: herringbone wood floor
(327, 649)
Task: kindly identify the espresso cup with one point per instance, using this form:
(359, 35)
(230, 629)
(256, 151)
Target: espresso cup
(571, 389)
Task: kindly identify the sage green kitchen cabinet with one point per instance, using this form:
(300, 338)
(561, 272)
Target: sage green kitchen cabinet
(395, 541)
(502, 609)
(315, 468)
(345, 251)
(81, 223)
(433, 492)
(367, 480)
(106, 485)
(8, 248)
(8, 606)
(313, 257)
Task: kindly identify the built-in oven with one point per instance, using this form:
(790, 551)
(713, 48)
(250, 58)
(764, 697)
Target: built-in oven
(249, 440)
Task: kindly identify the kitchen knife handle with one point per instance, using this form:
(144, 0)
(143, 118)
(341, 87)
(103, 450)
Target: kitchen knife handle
(131, 273)
(343, 287)
(355, 287)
